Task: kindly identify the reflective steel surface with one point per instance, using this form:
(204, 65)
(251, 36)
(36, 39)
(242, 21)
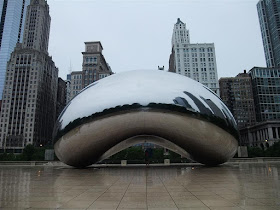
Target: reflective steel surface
(179, 112)
(243, 186)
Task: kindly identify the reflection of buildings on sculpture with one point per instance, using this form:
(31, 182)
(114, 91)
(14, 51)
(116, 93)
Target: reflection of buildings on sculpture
(263, 134)
(197, 61)
(94, 68)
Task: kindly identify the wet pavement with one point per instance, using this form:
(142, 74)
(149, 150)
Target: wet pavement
(231, 186)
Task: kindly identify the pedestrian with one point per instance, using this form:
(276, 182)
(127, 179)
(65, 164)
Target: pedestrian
(147, 161)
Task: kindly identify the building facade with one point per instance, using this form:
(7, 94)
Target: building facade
(61, 96)
(262, 135)
(30, 93)
(237, 94)
(12, 18)
(197, 61)
(268, 12)
(76, 83)
(68, 88)
(94, 67)
(266, 91)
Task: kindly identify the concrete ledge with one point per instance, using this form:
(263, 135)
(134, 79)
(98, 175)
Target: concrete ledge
(31, 163)
(58, 163)
(254, 160)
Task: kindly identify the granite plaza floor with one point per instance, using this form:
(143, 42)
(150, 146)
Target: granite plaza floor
(228, 187)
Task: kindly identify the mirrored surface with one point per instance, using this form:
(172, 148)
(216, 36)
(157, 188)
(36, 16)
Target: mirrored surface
(152, 103)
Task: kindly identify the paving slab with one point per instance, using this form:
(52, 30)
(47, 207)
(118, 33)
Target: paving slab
(230, 186)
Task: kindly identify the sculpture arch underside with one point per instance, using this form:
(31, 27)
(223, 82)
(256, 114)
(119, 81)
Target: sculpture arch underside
(184, 134)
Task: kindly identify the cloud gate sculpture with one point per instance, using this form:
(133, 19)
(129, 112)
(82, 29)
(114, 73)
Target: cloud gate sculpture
(159, 107)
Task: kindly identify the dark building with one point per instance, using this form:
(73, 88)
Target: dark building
(68, 88)
(266, 91)
(236, 93)
(61, 96)
(263, 134)
(172, 62)
(29, 98)
(268, 11)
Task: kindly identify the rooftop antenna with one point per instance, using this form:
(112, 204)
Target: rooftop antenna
(70, 68)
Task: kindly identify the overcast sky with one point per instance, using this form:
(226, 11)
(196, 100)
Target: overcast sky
(136, 34)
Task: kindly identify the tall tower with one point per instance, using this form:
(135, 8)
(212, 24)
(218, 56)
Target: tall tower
(197, 61)
(269, 11)
(37, 27)
(12, 18)
(266, 92)
(28, 109)
(94, 67)
(237, 94)
(180, 33)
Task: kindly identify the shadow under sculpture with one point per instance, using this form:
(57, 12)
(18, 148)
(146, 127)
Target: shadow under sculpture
(159, 107)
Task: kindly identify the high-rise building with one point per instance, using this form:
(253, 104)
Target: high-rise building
(268, 11)
(68, 88)
(94, 68)
(76, 83)
(197, 61)
(12, 18)
(236, 93)
(61, 96)
(29, 98)
(266, 91)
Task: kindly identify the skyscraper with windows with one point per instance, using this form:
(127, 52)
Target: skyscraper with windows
(61, 96)
(94, 67)
(236, 93)
(197, 61)
(268, 12)
(12, 18)
(29, 100)
(266, 92)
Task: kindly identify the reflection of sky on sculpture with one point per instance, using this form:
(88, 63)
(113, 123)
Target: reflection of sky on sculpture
(141, 87)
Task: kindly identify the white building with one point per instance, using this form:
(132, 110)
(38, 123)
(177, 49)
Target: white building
(197, 61)
(76, 83)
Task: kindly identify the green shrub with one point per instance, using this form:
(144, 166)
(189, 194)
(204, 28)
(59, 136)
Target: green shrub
(273, 151)
(7, 157)
(255, 152)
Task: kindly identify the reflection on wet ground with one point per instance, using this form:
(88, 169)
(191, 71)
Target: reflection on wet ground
(238, 186)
